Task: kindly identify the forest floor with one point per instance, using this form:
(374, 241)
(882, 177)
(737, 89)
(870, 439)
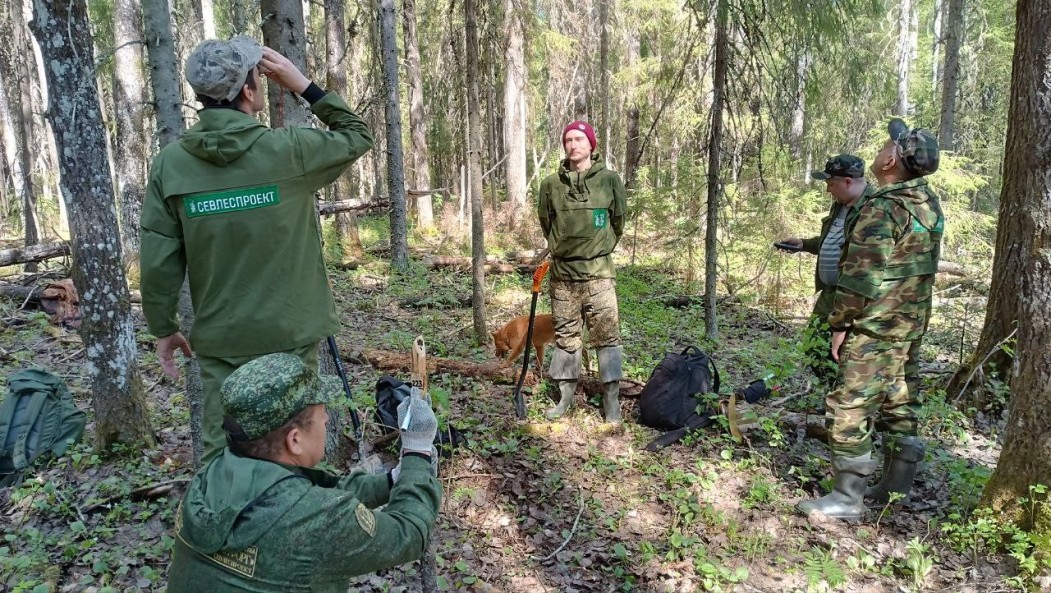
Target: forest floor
(566, 506)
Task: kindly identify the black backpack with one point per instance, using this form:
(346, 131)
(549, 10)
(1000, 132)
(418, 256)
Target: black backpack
(389, 393)
(37, 417)
(670, 398)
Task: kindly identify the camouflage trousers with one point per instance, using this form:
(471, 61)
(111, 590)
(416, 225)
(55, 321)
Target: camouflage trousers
(593, 302)
(213, 372)
(872, 394)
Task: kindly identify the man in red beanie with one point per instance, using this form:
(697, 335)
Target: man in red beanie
(582, 209)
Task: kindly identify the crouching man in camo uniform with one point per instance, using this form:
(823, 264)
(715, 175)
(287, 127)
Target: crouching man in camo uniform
(879, 314)
(581, 210)
(259, 517)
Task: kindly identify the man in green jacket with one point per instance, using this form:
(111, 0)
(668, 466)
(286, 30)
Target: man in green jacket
(232, 203)
(581, 210)
(844, 177)
(259, 518)
(879, 314)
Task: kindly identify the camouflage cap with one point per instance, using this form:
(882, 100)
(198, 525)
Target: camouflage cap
(917, 147)
(841, 165)
(218, 69)
(267, 392)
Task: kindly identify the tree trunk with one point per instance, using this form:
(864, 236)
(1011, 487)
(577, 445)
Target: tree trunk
(129, 101)
(1025, 460)
(336, 58)
(283, 30)
(62, 29)
(515, 106)
(399, 242)
(631, 131)
(795, 134)
(603, 78)
(936, 40)
(951, 73)
(208, 19)
(239, 19)
(24, 115)
(9, 101)
(711, 328)
(165, 73)
(904, 56)
(419, 164)
(470, 8)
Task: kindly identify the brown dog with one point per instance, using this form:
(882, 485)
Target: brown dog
(511, 337)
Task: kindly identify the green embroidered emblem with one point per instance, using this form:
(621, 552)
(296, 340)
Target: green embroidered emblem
(939, 226)
(231, 201)
(599, 218)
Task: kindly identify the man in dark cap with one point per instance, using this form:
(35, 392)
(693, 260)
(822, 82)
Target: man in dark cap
(232, 204)
(582, 209)
(844, 177)
(259, 518)
(880, 312)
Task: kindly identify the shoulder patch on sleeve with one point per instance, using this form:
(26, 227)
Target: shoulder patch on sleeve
(366, 519)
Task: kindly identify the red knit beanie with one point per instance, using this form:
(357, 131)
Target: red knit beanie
(582, 126)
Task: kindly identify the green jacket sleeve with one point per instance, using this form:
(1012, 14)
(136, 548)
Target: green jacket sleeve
(812, 245)
(162, 260)
(356, 541)
(620, 206)
(543, 207)
(863, 265)
(324, 154)
(372, 490)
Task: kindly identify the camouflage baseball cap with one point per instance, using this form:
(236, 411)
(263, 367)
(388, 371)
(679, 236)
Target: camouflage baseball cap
(218, 69)
(268, 391)
(918, 147)
(841, 165)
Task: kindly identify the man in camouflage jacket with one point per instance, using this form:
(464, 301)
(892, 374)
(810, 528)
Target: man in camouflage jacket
(581, 210)
(880, 312)
(259, 518)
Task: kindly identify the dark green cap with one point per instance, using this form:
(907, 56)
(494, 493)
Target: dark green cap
(267, 392)
(918, 147)
(841, 165)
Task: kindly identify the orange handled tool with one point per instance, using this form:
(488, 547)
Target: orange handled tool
(538, 278)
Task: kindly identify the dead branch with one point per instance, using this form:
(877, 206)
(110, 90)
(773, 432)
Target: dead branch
(328, 208)
(149, 491)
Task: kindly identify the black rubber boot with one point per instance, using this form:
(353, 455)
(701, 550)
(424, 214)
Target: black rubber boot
(567, 391)
(901, 459)
(845, 501)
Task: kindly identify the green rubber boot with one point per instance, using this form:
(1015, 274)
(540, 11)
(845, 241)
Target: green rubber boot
(611, 402)
(900, 461)
(567, 391)
(845, 501)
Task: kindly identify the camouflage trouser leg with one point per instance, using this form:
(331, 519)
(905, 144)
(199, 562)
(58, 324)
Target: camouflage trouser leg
(870, 392)
(912, 371)
(588, 301)
(213, 372)
(818, 340)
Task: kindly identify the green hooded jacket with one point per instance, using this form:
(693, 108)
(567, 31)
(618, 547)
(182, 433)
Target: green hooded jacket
(887, 270)
(582, 215)
(813, 244)
(232, 202)
(252, 525)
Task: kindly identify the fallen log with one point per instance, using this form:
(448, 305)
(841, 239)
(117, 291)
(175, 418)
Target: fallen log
(33, 253)
(328, 208)
(436, 302)
(952, 269)
(492, 265)
(22, 294)
(491, 370)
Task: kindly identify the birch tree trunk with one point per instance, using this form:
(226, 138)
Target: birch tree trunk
(711, 327)
(951, 73)
(904, 56)
(515, 106)
(419, 164)
(336, 55)
(283, 30)
(474, 138)
(399, 242)
(24, 115)
(62, 29)
(1025, 460)
(129, 101)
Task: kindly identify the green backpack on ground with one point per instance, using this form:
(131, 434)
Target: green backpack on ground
(37, 417)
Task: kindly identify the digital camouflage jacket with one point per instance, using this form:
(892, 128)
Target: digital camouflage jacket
(889, 262)
(252, 525)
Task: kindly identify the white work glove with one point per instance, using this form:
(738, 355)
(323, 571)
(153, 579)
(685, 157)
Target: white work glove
(417, 434)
